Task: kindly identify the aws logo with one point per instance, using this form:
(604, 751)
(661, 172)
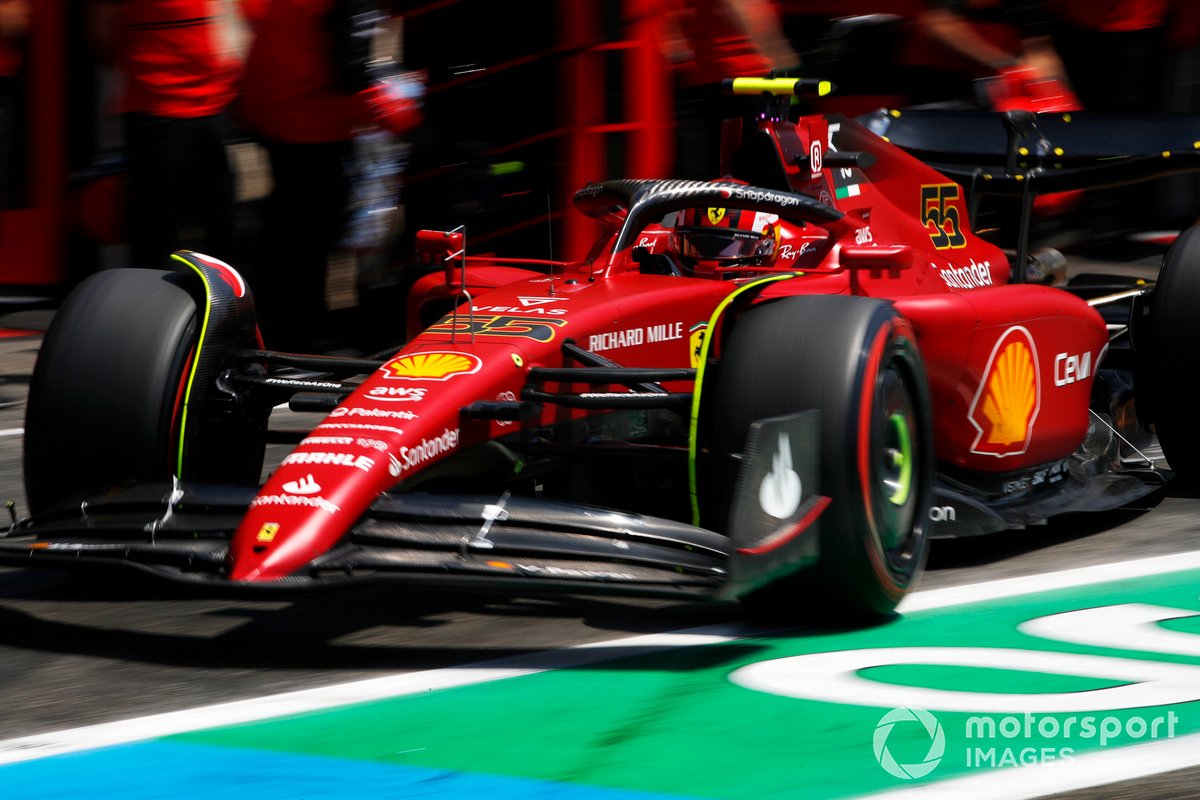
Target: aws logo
(1007, 401)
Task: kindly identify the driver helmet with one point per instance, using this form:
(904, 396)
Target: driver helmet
(725, 242)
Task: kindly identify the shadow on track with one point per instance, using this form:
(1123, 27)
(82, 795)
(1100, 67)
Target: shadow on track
(368, 629)
(996, 547)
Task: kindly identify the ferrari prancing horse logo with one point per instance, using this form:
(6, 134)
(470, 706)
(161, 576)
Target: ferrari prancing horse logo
(1006, 403)
(715, 215)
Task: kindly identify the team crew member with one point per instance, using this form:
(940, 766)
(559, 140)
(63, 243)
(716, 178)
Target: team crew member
(310, 87)
(954, 43)
(177, 83)
(723, 39)
(15, 17)
(1119, 55)
(1114, 51)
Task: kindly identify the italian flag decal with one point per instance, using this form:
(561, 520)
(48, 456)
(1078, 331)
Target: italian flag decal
(848, 191)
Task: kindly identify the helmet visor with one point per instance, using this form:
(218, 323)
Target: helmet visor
(721, 245)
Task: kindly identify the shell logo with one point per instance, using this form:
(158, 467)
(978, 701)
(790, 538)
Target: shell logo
(437, 366)
(1007, 401)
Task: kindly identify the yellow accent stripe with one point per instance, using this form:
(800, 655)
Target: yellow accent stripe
(704, 347)
(187, 395)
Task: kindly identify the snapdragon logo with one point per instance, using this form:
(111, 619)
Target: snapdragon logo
(910, 721)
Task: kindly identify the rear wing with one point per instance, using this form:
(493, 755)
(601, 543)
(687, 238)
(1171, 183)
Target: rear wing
(1021, 152)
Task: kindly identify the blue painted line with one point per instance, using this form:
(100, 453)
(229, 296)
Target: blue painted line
(189, 772)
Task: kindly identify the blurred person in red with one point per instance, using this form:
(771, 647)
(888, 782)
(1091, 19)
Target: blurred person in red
(722, 39)
(15, 18)
(1114, 51)
(311, 85)
(178, 80)
(957, 46)
(921, 52)
(1125, 56)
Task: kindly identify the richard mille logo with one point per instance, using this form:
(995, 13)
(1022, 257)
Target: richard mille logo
(780, 490)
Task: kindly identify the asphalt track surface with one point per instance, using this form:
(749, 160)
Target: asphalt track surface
(75, 654)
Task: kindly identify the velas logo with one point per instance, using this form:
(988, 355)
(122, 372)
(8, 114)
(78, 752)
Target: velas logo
(437, 366)
(1006, 403)
(913, 724)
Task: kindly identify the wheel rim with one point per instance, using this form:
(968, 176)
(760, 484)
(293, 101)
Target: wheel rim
(898, 477)
(896, 464)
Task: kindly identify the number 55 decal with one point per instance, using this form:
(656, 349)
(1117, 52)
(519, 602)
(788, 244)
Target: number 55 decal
(536, 328)
(940, 216)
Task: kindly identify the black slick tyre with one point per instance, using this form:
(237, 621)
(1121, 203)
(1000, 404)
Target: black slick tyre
(106, 393)
(1175, 327)
(856, 361)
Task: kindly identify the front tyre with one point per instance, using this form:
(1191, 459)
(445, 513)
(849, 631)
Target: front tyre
(856, 361)
(107, 394)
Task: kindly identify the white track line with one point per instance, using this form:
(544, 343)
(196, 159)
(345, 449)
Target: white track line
(1065, 579)
(1018, 782)
(27, 748)
(12, 432)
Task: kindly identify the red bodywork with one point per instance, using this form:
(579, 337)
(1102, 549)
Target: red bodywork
(1010, 365)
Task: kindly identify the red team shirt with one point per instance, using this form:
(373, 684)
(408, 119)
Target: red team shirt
(1114, 15)
(289, 92)
(169, 52)
(720, 49)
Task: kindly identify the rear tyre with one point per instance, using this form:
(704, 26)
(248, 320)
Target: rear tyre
(106, 394)
(1175, 328)
(856, 361)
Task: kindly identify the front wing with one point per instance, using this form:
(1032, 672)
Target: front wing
(494, 544)
(498, 544)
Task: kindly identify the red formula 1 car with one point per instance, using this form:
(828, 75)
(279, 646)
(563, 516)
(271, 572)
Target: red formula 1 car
(774, 388)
